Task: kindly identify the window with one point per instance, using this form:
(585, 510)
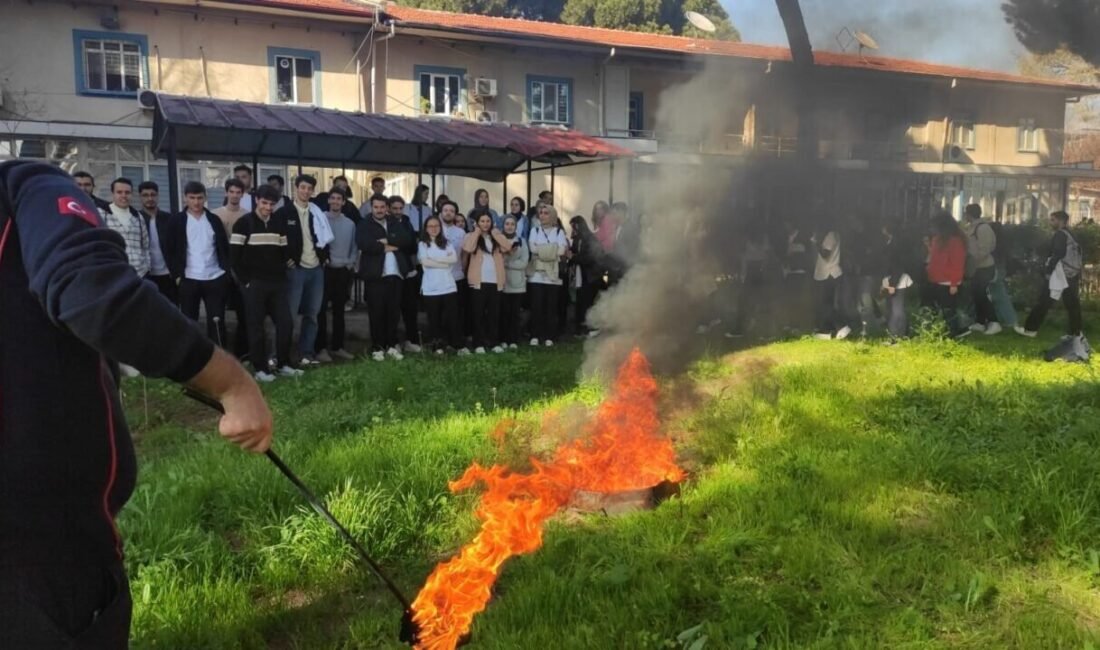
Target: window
(295, 76)
(637, 114)
(962, 133)
(1027, 136)
(440, 90)
(109, 63)
(549, 100)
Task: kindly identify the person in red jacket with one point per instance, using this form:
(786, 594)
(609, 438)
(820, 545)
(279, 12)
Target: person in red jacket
(946, 267)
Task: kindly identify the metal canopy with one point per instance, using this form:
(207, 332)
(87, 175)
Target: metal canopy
(213, 129)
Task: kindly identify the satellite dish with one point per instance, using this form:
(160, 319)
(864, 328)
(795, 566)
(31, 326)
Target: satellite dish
(700, 21)
(865, 41)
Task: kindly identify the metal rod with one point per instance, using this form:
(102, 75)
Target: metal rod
(314, 502)
(255, 176)
(611, 182)
(504, 207)
(173, 172)
(299, 154)
(528, 183)
(553, 178)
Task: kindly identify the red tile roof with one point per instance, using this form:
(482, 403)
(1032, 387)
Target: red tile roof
(654, 42)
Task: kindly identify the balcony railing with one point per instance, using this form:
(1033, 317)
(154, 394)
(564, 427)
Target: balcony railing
(782, 146)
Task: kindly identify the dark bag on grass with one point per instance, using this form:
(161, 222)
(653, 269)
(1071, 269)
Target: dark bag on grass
(1070, 349)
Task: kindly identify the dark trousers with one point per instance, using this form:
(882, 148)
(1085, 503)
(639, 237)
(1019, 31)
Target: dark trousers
(337, 292)
(510, 318)
(212, 294)
(384, 311)
(1071, 298)
(485, 304)
(826, 305)
(563, 309)
(464, 327)
(264, 298)
(586, 297)
(241, 344)
(544, 310)
(166, 286)
(979, 287)
(75, 608)
(443, 323)
(946, 304)
(410, 306)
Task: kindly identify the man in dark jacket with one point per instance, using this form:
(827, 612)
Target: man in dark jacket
(260, 262)
(307, 251)
(410, 287)
(1065, 252)
(199, 260)
(86, 182)
(157, 222)
(69, 304)
(383, 241)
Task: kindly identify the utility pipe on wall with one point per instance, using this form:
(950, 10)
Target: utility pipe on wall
(374, 103)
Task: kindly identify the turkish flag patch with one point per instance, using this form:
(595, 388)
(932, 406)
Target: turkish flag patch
(74, 208)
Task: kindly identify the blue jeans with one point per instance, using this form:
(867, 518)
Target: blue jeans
(1002, 303)
(305, 291)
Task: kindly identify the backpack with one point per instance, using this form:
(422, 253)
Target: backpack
(1072, 261)
(1003, 244)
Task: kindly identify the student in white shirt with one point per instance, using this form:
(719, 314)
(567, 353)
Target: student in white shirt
(199, 258)
(548, 248)
(438, 256)
(827, 274)
(515, 282)
(243, 173)
(455, 234)
(486, 247)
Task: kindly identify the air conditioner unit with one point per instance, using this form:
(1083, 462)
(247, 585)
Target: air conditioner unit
(955, 152)
(487, 117)
(485, 87)
(147, 100)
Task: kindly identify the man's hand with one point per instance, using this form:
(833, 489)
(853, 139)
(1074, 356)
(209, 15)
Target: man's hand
(953, 290)
(891, 290)
(247, 422)
(391, 249)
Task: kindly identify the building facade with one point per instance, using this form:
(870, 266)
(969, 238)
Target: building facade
(896, 138)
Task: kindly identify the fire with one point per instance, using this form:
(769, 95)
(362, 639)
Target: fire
(625, 451)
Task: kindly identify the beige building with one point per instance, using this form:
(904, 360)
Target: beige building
(894, 136)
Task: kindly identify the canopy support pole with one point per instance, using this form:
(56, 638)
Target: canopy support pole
(611, 183)
(435, 196)
(528, 183)
(255, 172)
(553, 177)
(299, 154)
(504, 207)
(173, 173)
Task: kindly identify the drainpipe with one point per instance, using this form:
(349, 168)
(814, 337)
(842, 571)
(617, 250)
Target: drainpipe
(603, 88)
(374, 67)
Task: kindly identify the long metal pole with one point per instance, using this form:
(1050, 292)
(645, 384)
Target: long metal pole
(553, 176)
(611, 183)
(255, 172)
(299, 154)
(173, 172)
(528, 183)
(504, 207)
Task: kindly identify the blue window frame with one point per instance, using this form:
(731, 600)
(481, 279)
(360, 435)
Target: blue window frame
(637, 113)
(110, 64)
(442, 90)
(549, 100)
(294, 76)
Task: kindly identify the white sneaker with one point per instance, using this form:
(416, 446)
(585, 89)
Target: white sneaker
(287, 371)
(264, 377)
(1025, 332)
(513, 346)
(128, 371)
(464, 352)
(308, 361)
(394, 354)
(977, 327)
(823, 336)
(411, 347)
(378, 355)
(479, 350)
(843, 333)
(497, 349)
(324, 357)
(593, 333)
(534, 343)
(342, 354)
(993, 328)
(549, 343)
(439, 352)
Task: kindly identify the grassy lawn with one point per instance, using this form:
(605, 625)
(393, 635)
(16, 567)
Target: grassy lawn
(840, 495)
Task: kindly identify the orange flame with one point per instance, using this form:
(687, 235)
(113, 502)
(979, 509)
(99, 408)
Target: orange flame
(626, 452)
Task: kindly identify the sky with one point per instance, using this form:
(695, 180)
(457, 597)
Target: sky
(970, 33)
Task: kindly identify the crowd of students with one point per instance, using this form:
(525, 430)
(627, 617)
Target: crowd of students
(485, 280)
(859, 277)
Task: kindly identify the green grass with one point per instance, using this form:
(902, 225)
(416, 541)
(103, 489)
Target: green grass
(842, 495)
